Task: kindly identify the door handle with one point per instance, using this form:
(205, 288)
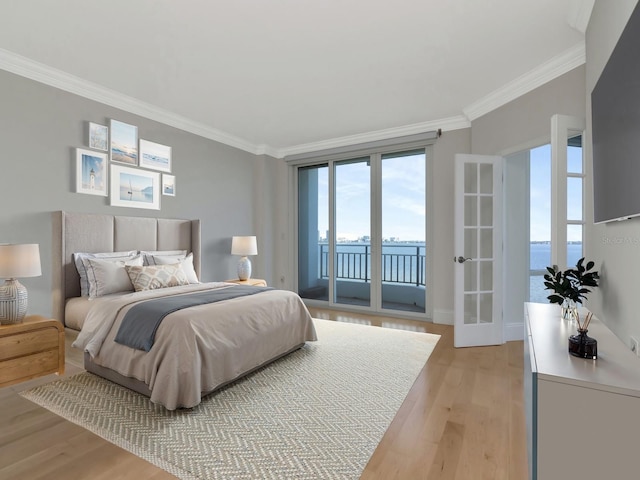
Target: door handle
(461, 259)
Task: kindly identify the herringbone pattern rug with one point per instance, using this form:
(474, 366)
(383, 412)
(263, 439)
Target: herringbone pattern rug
(317, 413)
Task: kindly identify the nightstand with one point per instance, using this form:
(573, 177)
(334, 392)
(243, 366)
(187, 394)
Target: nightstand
(31, 349)
(254, 282)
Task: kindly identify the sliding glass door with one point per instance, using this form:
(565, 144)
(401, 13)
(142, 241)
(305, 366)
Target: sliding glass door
(362, 231)
(313, 232)
(403, 258)
(352, 220)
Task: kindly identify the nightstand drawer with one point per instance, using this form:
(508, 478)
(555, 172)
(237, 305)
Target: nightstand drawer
(30, 366)
(29, 342)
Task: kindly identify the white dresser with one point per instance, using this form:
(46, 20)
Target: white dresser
(583, 416)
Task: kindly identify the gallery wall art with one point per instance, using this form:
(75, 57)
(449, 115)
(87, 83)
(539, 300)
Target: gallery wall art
(123, 167)
(91, 172)
(134, 187)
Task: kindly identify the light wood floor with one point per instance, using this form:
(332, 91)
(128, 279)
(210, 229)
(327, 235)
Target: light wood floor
(462, 419)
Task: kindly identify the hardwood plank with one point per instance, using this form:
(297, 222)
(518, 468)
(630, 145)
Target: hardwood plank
(462, 419)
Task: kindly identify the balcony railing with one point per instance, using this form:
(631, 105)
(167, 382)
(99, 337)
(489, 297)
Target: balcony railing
(353, 262)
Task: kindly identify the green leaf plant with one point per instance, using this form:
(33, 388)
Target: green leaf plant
(571, 284)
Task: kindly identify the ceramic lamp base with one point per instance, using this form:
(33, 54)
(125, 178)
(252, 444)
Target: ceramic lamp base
(244, 268)
(13, 302)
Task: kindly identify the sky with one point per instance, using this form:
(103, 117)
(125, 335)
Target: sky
(540, 191)
(403, 199)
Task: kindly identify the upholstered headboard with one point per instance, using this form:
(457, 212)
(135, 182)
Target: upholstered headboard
(82, 232)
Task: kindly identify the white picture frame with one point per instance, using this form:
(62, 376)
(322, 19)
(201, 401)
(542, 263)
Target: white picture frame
(91, 172)
(98, 137)
(123, 147)
(155, 156)
(134, 188)
(168, 185)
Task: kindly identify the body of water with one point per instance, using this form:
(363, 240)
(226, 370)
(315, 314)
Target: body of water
(540, 258)
(408, 254)
(540, 255)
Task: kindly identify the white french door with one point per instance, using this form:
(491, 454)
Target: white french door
(478, 251)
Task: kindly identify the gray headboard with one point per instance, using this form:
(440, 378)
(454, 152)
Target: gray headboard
(82, 232)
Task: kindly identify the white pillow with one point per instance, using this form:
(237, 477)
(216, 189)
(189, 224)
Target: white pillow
(185, 263)
(109, 276)
(147, 256)
(82, 264)
(156, 276)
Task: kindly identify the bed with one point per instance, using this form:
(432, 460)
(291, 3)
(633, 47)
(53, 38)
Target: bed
(196, 349)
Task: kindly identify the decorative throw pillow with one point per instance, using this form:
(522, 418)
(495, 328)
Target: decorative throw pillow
(109, 276)
(147, 256)
(156, 276)
(82, 264)
(185, 263)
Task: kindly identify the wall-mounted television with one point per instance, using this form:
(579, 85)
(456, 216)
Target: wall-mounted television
(615, 110)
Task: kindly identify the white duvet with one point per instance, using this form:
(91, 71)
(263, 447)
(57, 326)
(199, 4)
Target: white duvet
(200, 348)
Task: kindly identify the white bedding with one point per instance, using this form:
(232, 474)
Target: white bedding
(198, 348)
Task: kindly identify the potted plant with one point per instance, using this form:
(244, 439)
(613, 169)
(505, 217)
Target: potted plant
(571, 286)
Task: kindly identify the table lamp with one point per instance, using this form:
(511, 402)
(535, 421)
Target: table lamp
(244, 246)
(16, 261)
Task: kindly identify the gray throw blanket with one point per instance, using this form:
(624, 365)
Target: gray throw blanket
(140, 323)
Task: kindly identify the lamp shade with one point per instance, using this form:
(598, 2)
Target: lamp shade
(19, 261)
(244, 246)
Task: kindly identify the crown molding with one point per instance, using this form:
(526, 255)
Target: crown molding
(579, 14)
(53, 77)
(450, 123)
(47, 75)
(558, 65)
(264, 149)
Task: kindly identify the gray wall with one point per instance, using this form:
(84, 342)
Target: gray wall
(615, 247)
(526, 121)
(519, 125)
(442, 222)
(39, 128)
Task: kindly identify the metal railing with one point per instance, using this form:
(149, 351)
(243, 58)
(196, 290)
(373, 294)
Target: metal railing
(405, 268)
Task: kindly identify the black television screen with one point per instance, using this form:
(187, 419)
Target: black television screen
(615, 111)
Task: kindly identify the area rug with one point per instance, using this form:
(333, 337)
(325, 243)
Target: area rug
(317, 413)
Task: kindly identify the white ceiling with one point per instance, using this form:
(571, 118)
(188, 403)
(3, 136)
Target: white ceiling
(284, 76)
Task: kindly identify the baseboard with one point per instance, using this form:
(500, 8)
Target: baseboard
(513, 331)
(510, 331)
(443, 317)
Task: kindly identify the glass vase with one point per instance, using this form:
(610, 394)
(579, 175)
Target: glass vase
(569, 310)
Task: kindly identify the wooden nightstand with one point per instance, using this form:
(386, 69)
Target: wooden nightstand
(254, 282)
(31, 349)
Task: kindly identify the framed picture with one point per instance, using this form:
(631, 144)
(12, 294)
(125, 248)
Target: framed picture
(155, 156)
(124, 143)
(98, 136)
(132, 187)
(168, 185)
(91, 172)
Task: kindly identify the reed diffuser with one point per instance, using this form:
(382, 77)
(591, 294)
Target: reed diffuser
(582, 345)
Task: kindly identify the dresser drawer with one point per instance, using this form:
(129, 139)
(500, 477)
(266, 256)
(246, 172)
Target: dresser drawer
(26, 343)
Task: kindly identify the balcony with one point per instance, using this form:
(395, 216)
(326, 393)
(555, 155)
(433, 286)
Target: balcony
(403, 275)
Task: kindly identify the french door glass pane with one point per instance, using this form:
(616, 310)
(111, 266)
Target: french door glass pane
(352, 260)
(313, 225)
(403, 231)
